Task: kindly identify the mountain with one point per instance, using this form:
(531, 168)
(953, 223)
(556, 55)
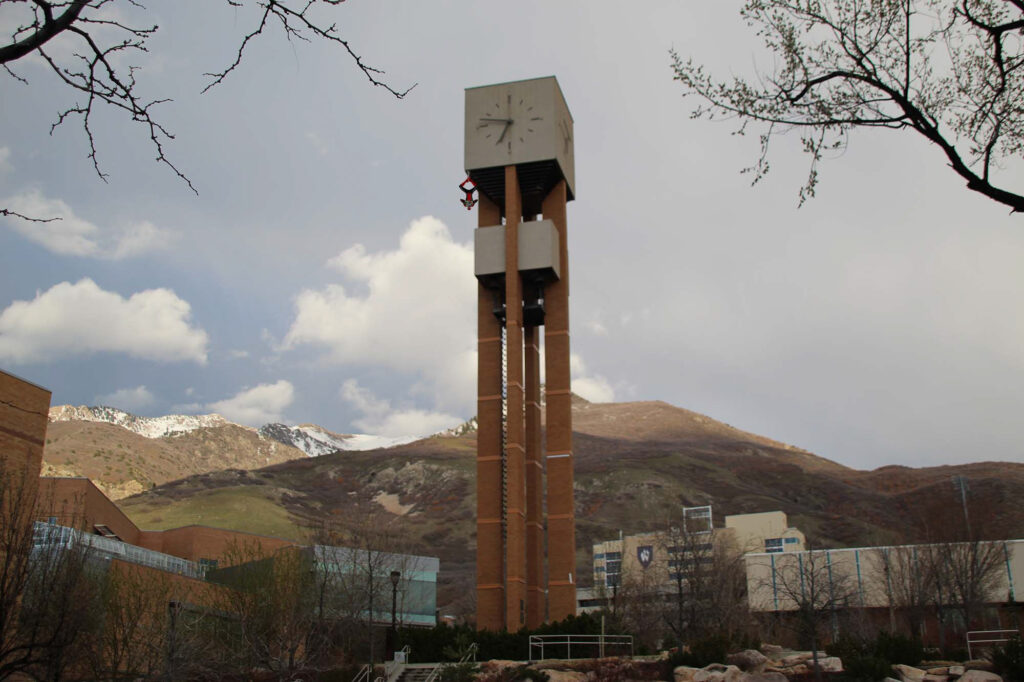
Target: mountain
(125, 454)
(635, 462)
(315, 440)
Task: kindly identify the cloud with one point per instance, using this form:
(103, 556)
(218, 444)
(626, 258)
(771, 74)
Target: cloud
(414, 317)
(81, 318)
(380, 419)
(5, 160)
(70, 235)
(257, 406)
(127, 399)
(594, 388)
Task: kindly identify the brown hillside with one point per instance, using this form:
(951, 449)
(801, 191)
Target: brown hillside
(635, 462)
(123, 463)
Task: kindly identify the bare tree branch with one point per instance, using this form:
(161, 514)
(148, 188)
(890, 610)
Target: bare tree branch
(847, 64)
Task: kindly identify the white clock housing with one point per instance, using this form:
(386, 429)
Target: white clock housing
(523, 123)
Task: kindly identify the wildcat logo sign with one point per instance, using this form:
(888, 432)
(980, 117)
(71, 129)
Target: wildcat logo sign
(645, 555)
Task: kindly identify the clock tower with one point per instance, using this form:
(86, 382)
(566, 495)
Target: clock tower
(519, 154)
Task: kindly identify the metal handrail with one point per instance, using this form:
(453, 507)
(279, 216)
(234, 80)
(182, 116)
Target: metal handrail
(1011, 634)
(363, 675)
(470, 653)
(540, 641)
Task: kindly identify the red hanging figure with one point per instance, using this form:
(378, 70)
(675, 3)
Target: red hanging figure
(469, 187)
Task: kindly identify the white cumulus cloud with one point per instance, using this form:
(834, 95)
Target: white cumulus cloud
(379, 418)
(592, 387)
(127, 399)
(415, 315)
(70, 235)
(81, 318)
(258, 405)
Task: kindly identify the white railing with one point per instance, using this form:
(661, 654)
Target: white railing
(587, 646)
(989, 637)
(394, 667)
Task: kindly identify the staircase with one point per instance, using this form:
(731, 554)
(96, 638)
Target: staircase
(417, 672)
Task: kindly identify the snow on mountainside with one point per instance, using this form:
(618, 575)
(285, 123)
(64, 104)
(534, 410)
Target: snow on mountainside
(148, 427)
(315, 440)
(312, 439)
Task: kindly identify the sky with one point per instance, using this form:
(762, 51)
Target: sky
(323, 272)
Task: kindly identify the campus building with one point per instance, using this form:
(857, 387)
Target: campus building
(73, 511)
(661, 555)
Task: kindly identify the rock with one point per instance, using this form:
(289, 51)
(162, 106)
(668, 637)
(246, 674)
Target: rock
(795, 659)
(717, 672)
(565, 676)
(979, 676)
(748, 661)
(908, 673)
(890, 679)
(684, 673)
(763, 677)
(955, 670)
(830, 664)
(771, 650)
(940, 670)
(934, 677)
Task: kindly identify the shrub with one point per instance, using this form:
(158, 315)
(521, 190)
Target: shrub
(866, 667)
(1009, 660)
(458, 672)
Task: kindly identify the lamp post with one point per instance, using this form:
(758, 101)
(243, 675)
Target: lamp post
(393, 632)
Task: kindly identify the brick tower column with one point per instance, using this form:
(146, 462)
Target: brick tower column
(558, 452)
(490, 550)
(536, 599)
(515, 443)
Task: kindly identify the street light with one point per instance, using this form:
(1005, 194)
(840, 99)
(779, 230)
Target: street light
(393, 632)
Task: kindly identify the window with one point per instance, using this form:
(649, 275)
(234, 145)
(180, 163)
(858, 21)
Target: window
(613, 555)
(770, 543)
(614, 566)
(792, 541)
(598, 556)
(206, 564)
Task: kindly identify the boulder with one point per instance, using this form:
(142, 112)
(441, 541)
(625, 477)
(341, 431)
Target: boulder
(955, 670)
(979, 676)
(771, 650)
(763, 677)
(830, 664)
(748, 661)
(684, 673)
(908, 673)
(565, 676)
(717, 672)
(795, 659)
(935, 677)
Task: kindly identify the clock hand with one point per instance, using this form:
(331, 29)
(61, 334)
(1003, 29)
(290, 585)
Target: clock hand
(508, 124)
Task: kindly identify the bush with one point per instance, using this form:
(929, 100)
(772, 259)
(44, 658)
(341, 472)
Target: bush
(458, 672)
(887, 648)
(702, 652)
(1009, 660)
(866, 667)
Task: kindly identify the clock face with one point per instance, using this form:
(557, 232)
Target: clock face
(519, 123)
(509, 123)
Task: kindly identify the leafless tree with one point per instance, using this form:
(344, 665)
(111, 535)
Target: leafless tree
(47, 593)
(270, 595)
(708, 581)
(951, 71)
(907, 579)
(100, 38)
(811, 587)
